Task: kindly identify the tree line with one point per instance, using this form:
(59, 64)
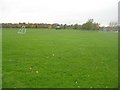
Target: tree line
(88, 25)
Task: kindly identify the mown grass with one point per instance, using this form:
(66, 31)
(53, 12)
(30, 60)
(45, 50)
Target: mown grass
(44, 58)
(0, 58)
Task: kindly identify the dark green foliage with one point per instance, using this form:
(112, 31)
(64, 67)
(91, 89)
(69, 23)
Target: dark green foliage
(90, 25)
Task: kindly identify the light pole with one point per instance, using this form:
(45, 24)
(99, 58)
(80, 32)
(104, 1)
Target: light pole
(119, 16)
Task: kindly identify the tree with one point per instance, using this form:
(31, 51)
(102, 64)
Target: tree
(90, 25)
(112, 26)
(65, 26)
(49, 26)
(76, 26)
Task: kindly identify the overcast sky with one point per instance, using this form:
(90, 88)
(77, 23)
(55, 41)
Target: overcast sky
(58, 11)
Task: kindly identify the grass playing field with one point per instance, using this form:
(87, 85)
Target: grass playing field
(60, 59)
(0, 57)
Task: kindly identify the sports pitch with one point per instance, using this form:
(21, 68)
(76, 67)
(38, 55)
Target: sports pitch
(46, 58)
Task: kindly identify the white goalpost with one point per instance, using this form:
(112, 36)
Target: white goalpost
(22, 30)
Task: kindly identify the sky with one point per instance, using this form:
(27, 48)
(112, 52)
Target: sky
(58, 11)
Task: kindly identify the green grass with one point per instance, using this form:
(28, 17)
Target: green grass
(0, 58)
(80, 60)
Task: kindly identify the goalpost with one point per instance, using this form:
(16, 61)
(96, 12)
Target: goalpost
(22, 30)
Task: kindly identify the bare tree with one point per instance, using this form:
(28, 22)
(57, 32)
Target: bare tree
(113, 26)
